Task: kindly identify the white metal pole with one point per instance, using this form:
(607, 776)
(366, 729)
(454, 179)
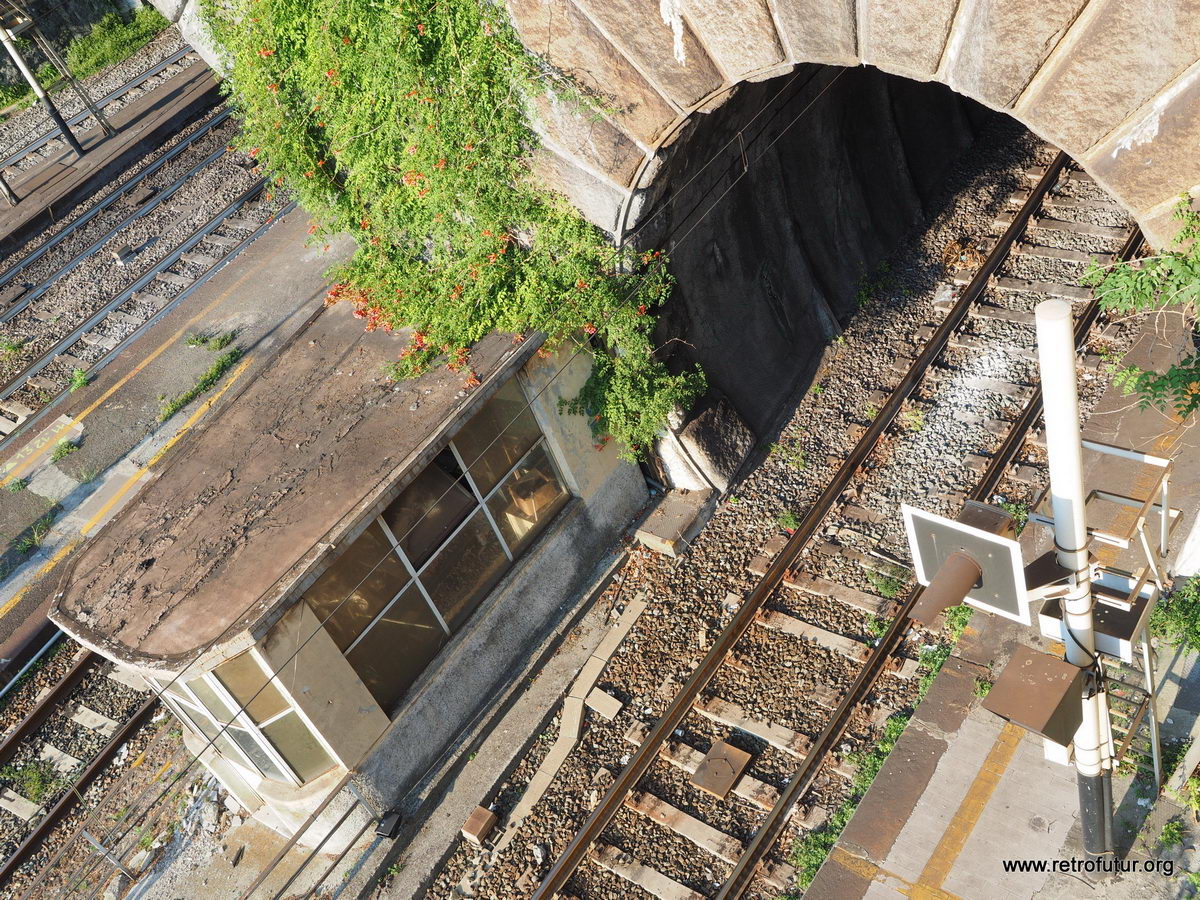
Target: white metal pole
(1056, 359)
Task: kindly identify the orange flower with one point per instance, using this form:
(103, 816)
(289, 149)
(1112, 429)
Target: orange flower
(330, 73)
(273, 88)
(308, 174)
(420, 28)
(254, 152)
(472, 381)
(411, 149)
(581, 285)
(265, 52)
(440, 164)
(345, 40)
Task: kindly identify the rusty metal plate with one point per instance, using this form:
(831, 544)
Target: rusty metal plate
(1039, 692)
(722, 767)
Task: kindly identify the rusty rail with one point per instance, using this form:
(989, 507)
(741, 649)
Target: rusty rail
(614, 798)
(743, 873)
(46, 705)
(67, 801)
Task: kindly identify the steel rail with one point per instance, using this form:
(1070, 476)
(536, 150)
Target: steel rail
(18, 381)
(9, 274)
(46, 705)
(157, 317)
(115, 94)
(673, 716)
(67, 801)
(771, 829)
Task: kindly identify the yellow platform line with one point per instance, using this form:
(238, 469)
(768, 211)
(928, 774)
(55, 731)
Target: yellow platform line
(869, 871)
(132, 480)
(20, 468)
(959, 829)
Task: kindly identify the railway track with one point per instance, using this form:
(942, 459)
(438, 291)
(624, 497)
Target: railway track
(52, 755)
(827, 599)
(68, 340)
(48, 142)
(104, 220)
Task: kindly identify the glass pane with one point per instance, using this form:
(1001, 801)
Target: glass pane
(397, 649)
(217, 708)
(257, 755)
(497, 437)
(423, 516)
(296, 743)
(351, 576)
(200, 723)
(228, 750)
(172, 688)
(465, 570)
(527, 500)
(243, 677)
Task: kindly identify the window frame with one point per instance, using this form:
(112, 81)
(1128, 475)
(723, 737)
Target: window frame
(482, 506)
(187, 706)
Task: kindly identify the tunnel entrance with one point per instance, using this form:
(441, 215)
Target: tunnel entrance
(778, 209)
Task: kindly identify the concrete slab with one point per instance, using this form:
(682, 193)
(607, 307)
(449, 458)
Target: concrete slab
(52, 483)
(668, 527)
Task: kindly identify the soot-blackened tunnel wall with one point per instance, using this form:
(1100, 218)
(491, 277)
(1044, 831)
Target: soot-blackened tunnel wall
(832, 167)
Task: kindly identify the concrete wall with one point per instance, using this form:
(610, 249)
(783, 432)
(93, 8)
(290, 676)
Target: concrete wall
(766, 274)
(527, 604)
(186, 15)
(322, 684)
(1115, 83)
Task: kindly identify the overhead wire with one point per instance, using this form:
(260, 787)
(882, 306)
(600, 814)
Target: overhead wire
(112, 840)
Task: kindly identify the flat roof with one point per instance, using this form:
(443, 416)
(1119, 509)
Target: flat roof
(256, 496)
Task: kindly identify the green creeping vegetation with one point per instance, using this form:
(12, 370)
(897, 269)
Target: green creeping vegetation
(1172, 834)
(79, 379)
(1176, 618)
(110, 41)
(16, 485)
(889, 583)
(35, 780)
(211, 341)
(205, 382)
(62, 450)
(408, 127)
(32, 539)
(790, 454)
(809, 852)
(1019, 512)
(787, 520)
(1168, 278)
(982, 688)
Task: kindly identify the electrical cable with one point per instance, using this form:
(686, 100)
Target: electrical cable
(112, 840)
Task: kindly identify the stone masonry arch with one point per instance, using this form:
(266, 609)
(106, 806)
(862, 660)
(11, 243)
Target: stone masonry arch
(1114, 83)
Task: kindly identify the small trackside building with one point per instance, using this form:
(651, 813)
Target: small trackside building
(336, 572)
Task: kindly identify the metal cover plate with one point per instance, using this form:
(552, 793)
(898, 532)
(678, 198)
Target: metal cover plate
(932, 538)
(722, 767)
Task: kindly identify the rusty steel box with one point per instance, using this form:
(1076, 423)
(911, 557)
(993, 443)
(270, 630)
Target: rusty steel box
(1041, 693)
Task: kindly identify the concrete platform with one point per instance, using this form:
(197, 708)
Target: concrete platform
(51, 189)
(964, 793)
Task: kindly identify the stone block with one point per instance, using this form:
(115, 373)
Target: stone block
(479, 825)
(820, 31)
(738, 33)
(638, 29)
(604, 704)
(1026, 31)
(718, 442)
(565, 37)
(593, 140)
(1117, 57)
(904, 37)
(598, 201)
(1151, 157)
(670, 524)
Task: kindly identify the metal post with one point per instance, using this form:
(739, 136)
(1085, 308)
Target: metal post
(19, 61)
(80, 91)
(1152, 707)
(1056, 359)
(110, 856)
(7, 191)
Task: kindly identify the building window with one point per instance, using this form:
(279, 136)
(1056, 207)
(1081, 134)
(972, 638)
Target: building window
(264, 735)
(398, 592)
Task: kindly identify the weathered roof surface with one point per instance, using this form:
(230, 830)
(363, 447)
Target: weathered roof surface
(256, 495)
